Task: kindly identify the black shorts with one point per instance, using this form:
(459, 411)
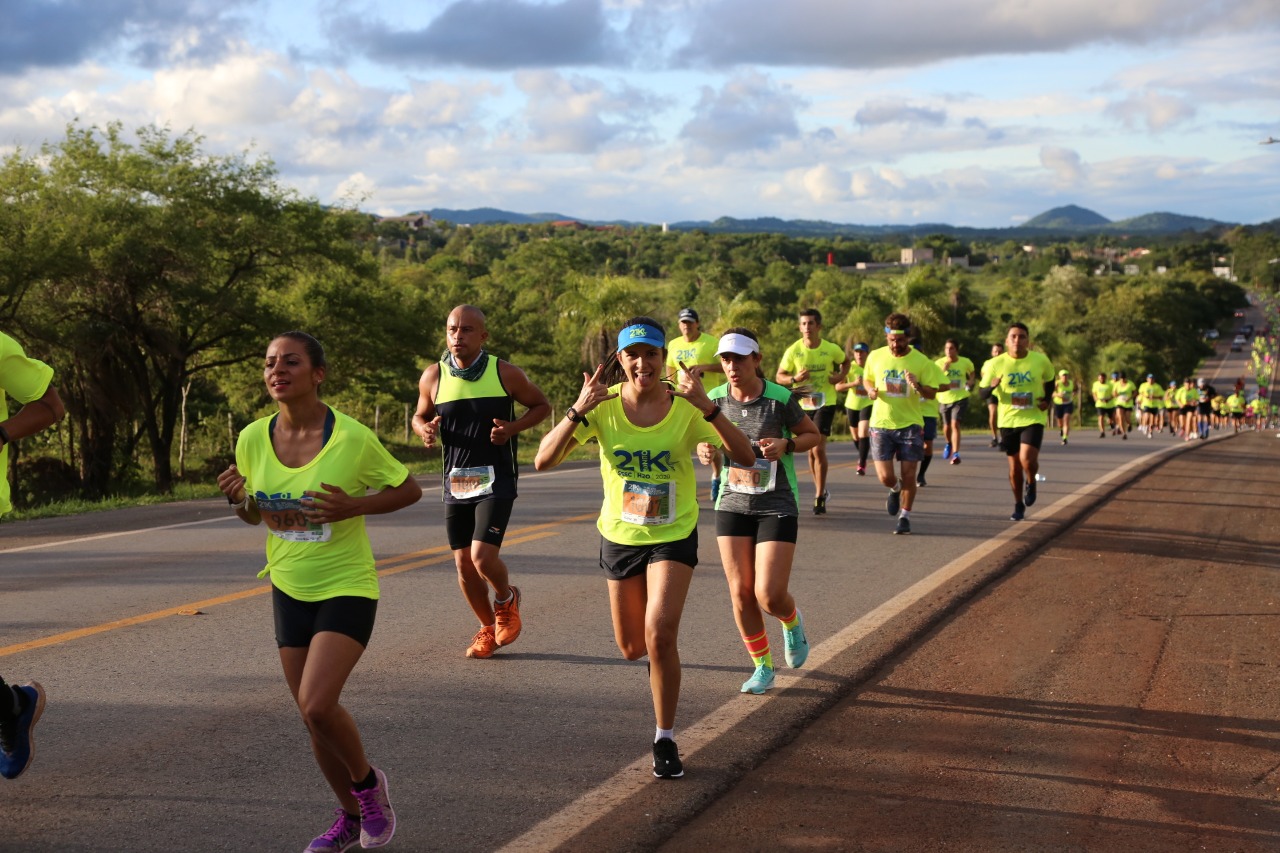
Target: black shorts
(625, 561)
(758, 528)
(823, 417)
(930, 429)
(1151, 410)
(1013, 438)
(857, 416)
(1238, 415)
(488, 519)
(1062, 410)
(1189, 410)
(298, 621)
(953, 413)
(1106, 410)
(1206, 409)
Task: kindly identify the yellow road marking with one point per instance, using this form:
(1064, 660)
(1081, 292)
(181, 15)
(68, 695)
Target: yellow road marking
(439, 554)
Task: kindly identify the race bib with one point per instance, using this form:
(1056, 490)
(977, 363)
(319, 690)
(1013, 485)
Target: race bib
(756, 480)
(648, 503)
(471, 482)
(895, 387)
(1122, 399)
(1020, 399)
(813, 402)
(285, 520)
(860, 390)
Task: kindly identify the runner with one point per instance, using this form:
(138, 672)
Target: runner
(305, 471)
(954, 402)
(1172, 408)
(1123, 392)
(757, 514)
(696, 349)
(1188, 396)
(897, 377)
(466, 401)
(27, 381)
(1204, 405)
(857, 405)
(1064, 404)
(1104, 402)
(983, 380)
(1234, 408)
(932, 412)
(1151, 401)
(1022, 380)
(811, 366)
(649, 519)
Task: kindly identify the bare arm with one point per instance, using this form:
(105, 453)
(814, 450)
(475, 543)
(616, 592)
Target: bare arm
(35, 416)
(425, 421)
(526, 394)
(555, 445)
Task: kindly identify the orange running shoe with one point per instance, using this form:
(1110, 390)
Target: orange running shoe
(507, 619)
(483, 645)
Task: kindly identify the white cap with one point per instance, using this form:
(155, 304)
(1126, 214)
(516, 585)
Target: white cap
(737, 344)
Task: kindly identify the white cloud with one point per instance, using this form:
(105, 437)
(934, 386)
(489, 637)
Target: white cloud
(1067, 168)
(1157, 111)
(749, 113)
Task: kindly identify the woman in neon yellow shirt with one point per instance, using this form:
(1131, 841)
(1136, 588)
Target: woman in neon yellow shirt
(305, 471)
(647, 432)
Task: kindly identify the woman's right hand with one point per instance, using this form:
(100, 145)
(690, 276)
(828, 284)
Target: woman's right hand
(594, 391)
(232, 484)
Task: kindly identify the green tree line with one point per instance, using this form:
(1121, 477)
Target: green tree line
(151, 274)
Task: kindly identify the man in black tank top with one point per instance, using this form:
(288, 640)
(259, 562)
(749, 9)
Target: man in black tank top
(466, 403)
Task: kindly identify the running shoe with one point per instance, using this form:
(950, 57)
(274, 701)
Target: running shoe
(1030, 496)
(894, 503)
(1102, 435)
(506, 618)
(342, 836)
(946, 450)
(715, 490)
(955, 460)
(17, 735)
(995, 442)
(1125, 436)
(1064, 442)
(862, 470)
(666, 759)
(483, 644)
(377, 818)
(795, 644)
(904, 526)
(820, 503)
(1019, 512)
(920, 481)
(760, 681)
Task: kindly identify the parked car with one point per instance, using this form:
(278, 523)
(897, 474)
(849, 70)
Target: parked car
(1237, 343)
(1211, 334)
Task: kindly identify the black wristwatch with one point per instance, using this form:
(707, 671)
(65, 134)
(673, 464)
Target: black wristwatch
(713, 414)
(572, 414)
(791, 445)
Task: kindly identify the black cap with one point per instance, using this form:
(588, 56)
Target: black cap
(689, 314)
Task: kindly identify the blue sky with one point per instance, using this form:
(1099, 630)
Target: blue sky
(970, 112)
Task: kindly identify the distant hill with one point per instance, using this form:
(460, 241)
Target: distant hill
(1060, 222)
(1067, 217)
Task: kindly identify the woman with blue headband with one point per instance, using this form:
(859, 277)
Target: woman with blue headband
(647, 431)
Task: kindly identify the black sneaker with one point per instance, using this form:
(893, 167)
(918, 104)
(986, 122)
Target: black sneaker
(894, 503)
(1030, 497)
(995, 442)
(1019, 512)
(920, 481)
(820, 504)
(904, 526)
(666, 759)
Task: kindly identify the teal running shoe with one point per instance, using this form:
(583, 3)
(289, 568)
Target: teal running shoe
(795, 643)
(760, 680)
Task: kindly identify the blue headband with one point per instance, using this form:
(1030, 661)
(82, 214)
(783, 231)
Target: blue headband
(641, 333)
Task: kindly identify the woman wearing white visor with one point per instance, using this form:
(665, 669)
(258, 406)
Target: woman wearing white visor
(757, 513)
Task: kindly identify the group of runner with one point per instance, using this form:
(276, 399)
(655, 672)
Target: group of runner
(1188, 410)
(311, 474)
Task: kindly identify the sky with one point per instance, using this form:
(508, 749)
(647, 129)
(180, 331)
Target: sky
(978, 113)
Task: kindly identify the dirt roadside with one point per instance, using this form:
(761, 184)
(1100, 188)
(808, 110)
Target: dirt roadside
(1120, 690)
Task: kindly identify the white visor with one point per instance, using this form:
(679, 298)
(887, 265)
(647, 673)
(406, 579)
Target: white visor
(737, 344)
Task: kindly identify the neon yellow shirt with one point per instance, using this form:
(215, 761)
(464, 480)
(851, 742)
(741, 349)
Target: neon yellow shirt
(316, 562)
(1021, 389)
(701, 351)
(1064, 391)
(857, 398)
(957, 375)
(1103, 395)
(1123, 392)
(1171, 400)
(24, 379)
(822, 361)
(1150, 395)
(897, 404)
(650, 490)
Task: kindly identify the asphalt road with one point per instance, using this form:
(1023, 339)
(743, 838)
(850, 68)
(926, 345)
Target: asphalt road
(172, 730)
